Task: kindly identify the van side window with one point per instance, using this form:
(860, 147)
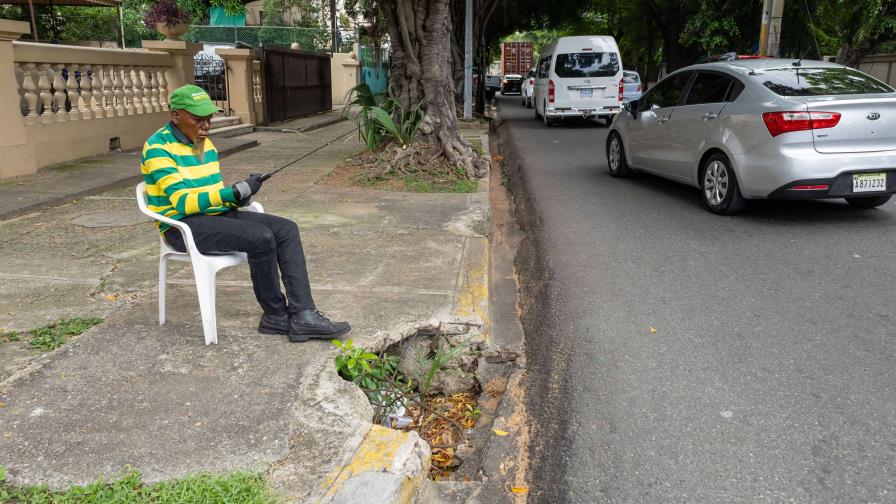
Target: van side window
(543, 67)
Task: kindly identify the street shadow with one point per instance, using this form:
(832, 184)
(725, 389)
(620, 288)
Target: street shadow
(773, 212)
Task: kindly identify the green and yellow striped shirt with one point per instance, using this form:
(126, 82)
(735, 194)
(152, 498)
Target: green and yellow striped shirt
(178, 183)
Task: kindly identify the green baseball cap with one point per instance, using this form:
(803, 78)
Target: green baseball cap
(194, 100)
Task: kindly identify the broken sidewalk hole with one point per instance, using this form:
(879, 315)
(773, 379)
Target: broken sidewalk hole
(429, 381)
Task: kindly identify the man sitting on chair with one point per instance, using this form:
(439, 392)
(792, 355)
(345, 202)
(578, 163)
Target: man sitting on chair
(183, 182)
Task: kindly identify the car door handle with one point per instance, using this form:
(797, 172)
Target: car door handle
(709, 115)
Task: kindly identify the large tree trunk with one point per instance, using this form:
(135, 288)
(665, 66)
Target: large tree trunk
(422, 70)
(850, 56)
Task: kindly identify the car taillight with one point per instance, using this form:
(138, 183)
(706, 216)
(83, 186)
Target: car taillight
(620, 89)
(639, 88)
(785, 122)
(531, 82)
(551, 91)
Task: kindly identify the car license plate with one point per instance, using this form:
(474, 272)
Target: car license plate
(586, 93)
(869, 182)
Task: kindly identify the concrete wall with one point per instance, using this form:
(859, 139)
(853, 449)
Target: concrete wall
(344, 75)
(116, 97)
(882, 66)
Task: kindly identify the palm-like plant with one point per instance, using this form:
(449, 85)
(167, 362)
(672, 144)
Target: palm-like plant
(382, 119)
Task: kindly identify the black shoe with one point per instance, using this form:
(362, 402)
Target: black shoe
(312, 324)
(274, 324)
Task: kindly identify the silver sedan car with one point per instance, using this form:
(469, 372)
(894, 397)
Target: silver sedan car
(765, 128)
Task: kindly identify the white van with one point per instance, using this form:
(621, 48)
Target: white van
(579, 77)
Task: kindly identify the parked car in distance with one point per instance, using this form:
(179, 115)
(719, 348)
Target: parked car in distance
(763, 129)
(511, 84)
(631, 86)
(728, 56)
(492, 85)
(578, 77)
(209, 70)
(527, 88)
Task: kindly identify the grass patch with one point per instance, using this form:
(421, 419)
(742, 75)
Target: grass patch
(53, 336)
(477, 146)
(237, 487)
(7, 336)
(451, 180)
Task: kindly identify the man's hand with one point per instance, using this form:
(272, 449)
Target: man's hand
(245, 189)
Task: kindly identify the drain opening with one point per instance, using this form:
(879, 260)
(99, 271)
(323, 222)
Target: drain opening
(429, 382)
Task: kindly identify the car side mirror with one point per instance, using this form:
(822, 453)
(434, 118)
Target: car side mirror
(632, 107)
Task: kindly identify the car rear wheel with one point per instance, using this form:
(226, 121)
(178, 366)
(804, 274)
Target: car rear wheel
(869, 202)
(616, 162)
(721, 193)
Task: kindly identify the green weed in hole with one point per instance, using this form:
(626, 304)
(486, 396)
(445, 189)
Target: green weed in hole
(53, 336)
(364, 368)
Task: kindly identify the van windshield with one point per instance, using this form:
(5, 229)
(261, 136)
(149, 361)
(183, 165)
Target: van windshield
(587, 64)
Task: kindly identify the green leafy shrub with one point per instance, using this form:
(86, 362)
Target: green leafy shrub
(369, 370)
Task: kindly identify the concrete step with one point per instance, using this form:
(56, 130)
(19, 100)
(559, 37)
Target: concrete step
(231, 131)
(224, 121)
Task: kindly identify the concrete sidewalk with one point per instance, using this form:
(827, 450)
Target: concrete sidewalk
(308, 123)
(131, 392)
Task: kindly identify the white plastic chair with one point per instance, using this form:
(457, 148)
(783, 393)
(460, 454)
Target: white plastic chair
(205, 267)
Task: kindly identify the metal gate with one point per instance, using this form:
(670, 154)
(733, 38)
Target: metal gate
(296, 83)
(210, 73)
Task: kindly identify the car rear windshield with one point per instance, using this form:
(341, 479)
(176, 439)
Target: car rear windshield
(819, 81)
(587, 64)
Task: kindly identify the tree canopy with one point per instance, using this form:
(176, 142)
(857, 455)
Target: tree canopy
(681, 32)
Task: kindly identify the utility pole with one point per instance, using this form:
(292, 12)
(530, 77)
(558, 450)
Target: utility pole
(333, 31)
(468, 64)
(770, 31)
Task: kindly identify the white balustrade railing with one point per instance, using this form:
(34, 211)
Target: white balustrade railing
(69, 84)
(257, 94)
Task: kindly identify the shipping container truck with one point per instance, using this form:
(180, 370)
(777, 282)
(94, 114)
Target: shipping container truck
(516, 58)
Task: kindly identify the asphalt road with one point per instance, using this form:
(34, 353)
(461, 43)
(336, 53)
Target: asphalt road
(770, 377)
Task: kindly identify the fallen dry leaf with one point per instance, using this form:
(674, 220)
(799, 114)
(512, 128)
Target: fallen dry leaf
(519, 490)
(652, 330)
(500, 432)
(2, 404)
(62, 375)
(111, 297)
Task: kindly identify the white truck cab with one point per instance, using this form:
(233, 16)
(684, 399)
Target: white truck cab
(579, 77)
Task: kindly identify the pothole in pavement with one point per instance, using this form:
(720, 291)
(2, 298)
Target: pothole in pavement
(440, 381)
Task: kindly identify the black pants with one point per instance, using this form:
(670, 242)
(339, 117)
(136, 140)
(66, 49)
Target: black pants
(268, 241)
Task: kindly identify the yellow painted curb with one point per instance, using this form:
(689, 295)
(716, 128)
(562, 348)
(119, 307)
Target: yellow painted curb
(472, 297)
(378, 453)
